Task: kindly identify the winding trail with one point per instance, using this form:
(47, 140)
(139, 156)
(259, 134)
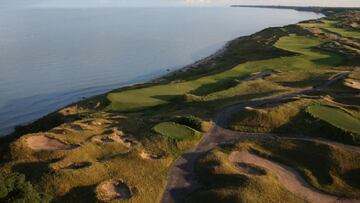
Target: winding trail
(182, 179)
(288, 177)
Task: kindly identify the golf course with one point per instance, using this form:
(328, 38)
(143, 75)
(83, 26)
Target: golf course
(273, 117)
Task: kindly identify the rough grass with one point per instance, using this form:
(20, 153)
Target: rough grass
(147, 178)
(330, 25)
(175, 131)
(331, 169)
(267, 119)
(223, 182)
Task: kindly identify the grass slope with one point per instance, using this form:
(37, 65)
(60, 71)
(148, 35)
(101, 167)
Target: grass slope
(175, 130)
(331, 169)
(226, 183)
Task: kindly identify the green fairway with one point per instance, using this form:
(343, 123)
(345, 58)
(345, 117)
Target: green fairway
(336, 117)
(207, 87)
(175, 131)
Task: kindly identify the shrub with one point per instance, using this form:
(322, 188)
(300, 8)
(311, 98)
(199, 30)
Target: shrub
(191, 121)
(14, 188)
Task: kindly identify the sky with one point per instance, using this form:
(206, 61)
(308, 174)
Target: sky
(121, 3)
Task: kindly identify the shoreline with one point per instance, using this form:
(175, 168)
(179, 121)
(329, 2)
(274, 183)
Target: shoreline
(162, 79)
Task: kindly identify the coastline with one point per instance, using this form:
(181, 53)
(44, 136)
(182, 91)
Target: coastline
(162, 79)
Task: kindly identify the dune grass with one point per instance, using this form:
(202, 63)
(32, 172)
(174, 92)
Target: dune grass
(267, 119)
(328, 168)
(175, 131)
(223, 182)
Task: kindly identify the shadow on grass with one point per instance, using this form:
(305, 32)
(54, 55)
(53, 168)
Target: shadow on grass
(34, 170)
(308, 125)
(79, 194)
(216, 86)
(352, 177)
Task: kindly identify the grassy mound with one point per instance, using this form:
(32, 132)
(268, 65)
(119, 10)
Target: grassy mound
(175, 131)
(226, 183)
(300, 116)
(266, 119)
(331, 169)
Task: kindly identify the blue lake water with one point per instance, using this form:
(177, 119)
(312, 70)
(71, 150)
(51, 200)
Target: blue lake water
(51, 57)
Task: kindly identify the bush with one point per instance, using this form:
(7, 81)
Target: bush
(14, 188)
(191, 121)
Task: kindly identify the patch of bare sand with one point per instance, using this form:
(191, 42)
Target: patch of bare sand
(150, 156)
(113, 189)
(288, 177)
(114, 135)
(45, 143)
(352, 83)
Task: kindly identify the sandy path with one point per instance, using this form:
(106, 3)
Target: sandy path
(288, 177)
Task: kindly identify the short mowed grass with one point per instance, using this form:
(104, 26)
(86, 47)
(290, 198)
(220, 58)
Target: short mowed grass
(175, 131)
(311, 117)
(337, 117)
(307, 58)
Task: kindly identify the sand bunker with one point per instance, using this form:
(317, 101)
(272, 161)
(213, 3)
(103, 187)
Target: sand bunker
(150, 156)
(96, 122)
(45, 143)
(352, 83)
(115, 136)
(76, 166)
(113, 189)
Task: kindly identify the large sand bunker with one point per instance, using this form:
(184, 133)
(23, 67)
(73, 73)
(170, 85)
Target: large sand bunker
(45, 143)
(352, 83)
(113, 189)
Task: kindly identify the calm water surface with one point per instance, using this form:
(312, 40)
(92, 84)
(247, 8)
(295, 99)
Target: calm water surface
(51, 57)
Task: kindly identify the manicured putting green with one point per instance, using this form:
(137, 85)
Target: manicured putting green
(175, 130)
(336, 117)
